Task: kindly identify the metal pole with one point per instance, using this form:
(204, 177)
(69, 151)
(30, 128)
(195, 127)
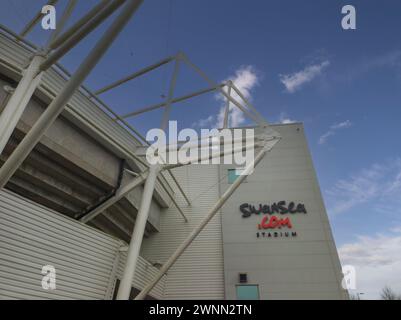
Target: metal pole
(179, 188)
(77, 25)
(134, 75)
(174, 202)
(250, 106)
(26, 87)
(67, 13)
(121, 192)
(162, 104)
(97, 99)
(35, 20)
(83, 32)
(167, 108)
(57, 105)
(92, 95)
(18, 101)
(260, 121)
(227, 110)
(211, 156)
(137, 235)
(173, 258)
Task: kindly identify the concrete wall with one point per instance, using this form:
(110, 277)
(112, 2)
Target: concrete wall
(71, 143)
(305, 266)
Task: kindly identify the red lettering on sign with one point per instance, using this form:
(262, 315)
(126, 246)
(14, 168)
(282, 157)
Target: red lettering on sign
(274, 222)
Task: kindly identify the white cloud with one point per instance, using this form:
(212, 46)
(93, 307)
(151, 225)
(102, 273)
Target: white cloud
(332, 131)
(391, 60)
(377, 260)
(245, 79)
(380, 183)
(284, 119)
(204, 123)
(295, 81)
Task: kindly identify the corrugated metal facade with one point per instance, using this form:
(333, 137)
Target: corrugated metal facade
(85, 259)
(198, 273)
(144, 272)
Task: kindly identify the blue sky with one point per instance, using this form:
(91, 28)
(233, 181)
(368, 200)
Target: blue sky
(295, 63)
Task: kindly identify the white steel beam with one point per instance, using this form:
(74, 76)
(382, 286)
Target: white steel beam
(134, 75)
(19, 100)
(173, 82)
(61, 38)
(184, 245)
(179, 188)
(121, 192)
(26, 87)
(60, 25)
(137, 235)
(175, 100)
(35, 20)
(81, 33)
(227, 109)
(217, 155)
(250, 106)
(256, 118)
(171, 196)
(58, 104)
(92, 95)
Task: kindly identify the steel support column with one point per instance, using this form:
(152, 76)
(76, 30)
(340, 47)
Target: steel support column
(121, 192)
(19, 100)
(81, 33)
(137, 235)
(178, 252)
(227, 109)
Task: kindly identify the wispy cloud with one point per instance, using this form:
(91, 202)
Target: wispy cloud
(245, 79)
(380, 183)
(391, 59)
(284, 118)
(333, 129)
(377, 260)
(204, 122)
(295, 81)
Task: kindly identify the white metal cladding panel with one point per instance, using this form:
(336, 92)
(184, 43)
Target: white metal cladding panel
(144, 272)
(10, 54)
(32, 236)
(198, 273)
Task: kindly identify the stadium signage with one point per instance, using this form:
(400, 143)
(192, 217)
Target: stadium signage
(270, 224)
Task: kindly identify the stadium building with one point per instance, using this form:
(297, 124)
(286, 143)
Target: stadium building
(71, 206)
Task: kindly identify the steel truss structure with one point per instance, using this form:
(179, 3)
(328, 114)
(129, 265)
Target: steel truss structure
(58, 45)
